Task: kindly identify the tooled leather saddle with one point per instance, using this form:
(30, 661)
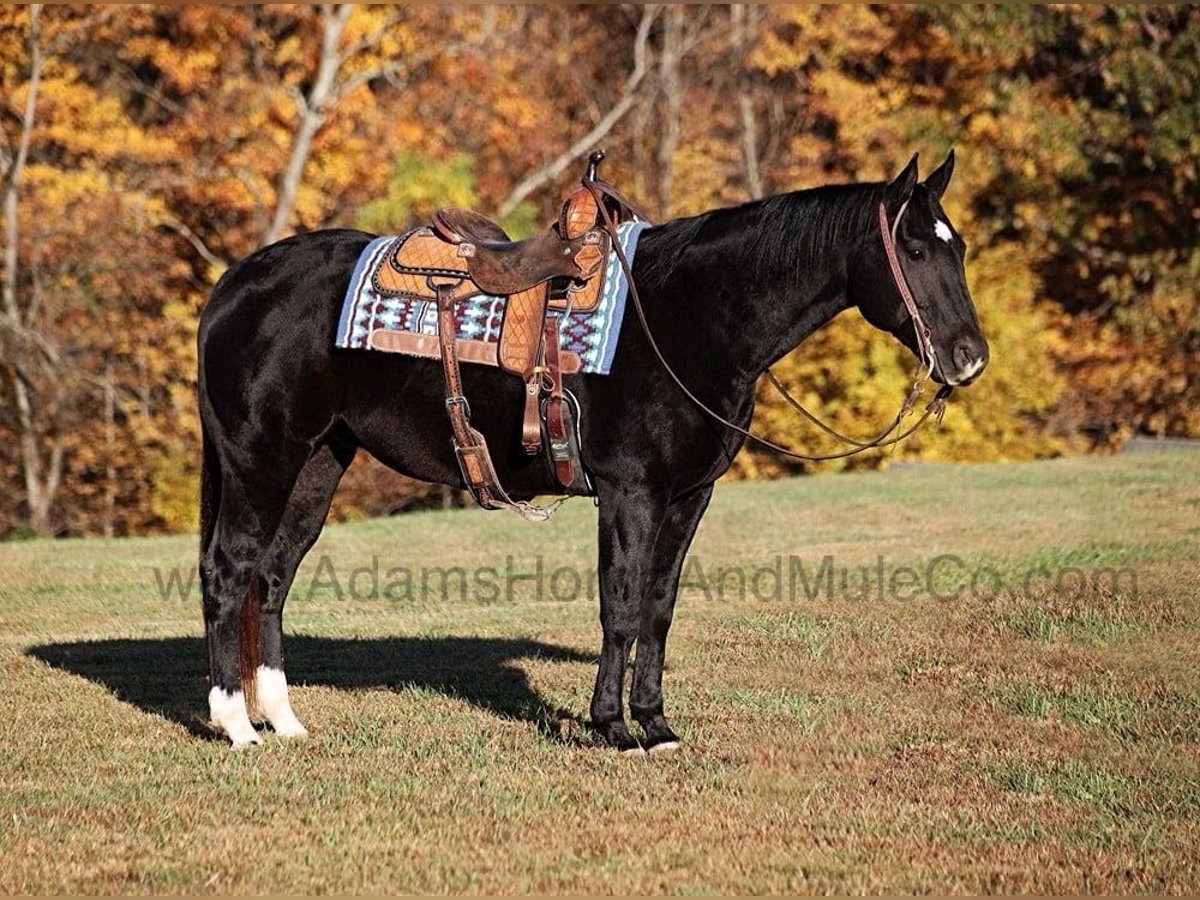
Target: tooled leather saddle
(463, 254)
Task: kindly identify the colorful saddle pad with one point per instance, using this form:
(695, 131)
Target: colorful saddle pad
(371, 313)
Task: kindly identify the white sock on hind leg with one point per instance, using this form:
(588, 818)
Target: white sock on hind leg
(228, 712)
(271, 686)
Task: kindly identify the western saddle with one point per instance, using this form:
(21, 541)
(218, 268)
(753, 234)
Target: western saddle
(463, 254)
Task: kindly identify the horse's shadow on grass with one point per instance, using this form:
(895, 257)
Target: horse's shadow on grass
(168, 676)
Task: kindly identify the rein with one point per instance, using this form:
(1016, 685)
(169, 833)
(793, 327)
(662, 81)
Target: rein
(889, 436)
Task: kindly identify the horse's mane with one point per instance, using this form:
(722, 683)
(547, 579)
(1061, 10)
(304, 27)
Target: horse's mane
(781, 236)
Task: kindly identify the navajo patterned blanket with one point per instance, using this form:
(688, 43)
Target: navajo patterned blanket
(592, 335)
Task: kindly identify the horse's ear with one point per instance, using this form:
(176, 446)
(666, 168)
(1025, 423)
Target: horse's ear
(900, 188)
(939, 179)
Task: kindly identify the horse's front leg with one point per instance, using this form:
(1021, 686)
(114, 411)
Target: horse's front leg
(630, 517)
(657, 608)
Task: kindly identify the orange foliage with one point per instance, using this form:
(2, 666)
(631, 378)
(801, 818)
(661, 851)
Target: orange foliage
(162, 135)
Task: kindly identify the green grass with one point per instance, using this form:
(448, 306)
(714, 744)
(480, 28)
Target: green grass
(1122, 710)
(1034, 732)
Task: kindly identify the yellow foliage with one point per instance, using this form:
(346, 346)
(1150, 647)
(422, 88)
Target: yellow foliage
(162, 134)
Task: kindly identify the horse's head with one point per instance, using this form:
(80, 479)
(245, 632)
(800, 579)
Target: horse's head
(929, 252)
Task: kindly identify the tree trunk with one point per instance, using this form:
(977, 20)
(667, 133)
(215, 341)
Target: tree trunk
(672, 88)
(110, 443)
(744, 20)
(42, 474)
(313, 110)
(12, 178)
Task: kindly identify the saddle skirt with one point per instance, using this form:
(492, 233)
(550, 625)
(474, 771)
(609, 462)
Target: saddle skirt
(391, 304)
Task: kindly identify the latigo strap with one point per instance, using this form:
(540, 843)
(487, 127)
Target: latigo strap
(469, 445)
(531, 423)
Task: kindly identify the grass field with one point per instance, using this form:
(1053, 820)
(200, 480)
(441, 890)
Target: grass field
(1040, 733)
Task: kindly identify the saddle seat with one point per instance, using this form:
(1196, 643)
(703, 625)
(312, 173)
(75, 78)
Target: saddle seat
(456, 225)
(509, 267)
(502, 266)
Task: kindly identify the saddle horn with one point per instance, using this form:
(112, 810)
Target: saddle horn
(594, 160)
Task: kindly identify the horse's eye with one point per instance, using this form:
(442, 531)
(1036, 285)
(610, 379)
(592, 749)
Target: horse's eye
(916, 253)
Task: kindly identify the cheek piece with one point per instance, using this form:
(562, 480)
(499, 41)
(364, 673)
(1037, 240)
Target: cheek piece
(924, 335)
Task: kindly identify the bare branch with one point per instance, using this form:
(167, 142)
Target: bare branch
(311, 119)
(173, 224)
(36, 293)
(22, 340)
(700, 31)
(387, 71)
(80, 26)
(599, 131)
(149, 91)
(298, 98)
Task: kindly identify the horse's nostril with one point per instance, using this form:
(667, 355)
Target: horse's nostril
(964, 354)
(968, 358)
(967, 352)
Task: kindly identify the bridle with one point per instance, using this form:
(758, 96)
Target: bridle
(924, 335)
(889, 436)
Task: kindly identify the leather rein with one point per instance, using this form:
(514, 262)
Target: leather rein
(890, 435)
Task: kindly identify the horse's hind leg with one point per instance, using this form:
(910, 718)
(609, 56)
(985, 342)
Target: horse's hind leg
(247, 512)
(298, 531)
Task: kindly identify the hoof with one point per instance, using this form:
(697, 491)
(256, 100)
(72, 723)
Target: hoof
(228, 714)
(291, 729)
(273, 701)
(617, 736)
(660, 738)
(666, 748)
(241, 741)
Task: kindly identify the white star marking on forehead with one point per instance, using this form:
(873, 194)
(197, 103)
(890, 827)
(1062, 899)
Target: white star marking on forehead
(942, 230)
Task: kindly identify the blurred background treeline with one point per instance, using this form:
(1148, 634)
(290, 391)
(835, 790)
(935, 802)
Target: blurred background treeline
(143, 149)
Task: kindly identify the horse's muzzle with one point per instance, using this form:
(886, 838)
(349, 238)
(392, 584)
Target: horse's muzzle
(969, 357)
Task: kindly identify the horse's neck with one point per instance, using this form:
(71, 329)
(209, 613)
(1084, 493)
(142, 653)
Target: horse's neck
(727, 308)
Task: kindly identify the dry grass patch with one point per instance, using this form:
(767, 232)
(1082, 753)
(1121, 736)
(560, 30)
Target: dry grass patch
(1035, 741)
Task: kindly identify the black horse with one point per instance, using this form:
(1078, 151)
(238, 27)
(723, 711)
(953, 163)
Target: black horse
(725, 293)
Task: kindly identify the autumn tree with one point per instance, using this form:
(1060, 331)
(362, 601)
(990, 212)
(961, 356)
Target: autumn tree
(143, 149)
(75, 226)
